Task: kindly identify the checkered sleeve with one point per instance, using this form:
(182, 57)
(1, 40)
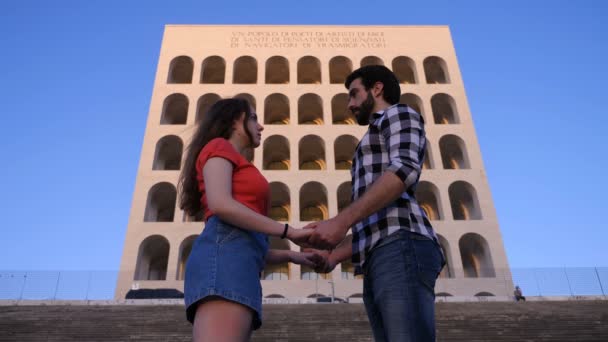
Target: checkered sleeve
(403, 133)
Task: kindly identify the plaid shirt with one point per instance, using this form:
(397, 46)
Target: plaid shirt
(395, 141)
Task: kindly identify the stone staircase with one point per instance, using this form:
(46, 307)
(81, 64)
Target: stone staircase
(470, 321)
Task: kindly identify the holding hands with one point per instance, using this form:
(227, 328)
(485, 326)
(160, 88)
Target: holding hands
(327, 234)
(318, 239)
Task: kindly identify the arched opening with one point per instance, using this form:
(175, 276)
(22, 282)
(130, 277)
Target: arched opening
(435, 71)
(247, 97)
(175, 110)
(444, 109)
(168, 153)
(371, 60)
(276, 110)
(309, 70)
(274, 295)
(476, 257)
(313, 202)
(344, 150)
(184, 252)
(276, 153)
(453, 153)
(310, 110)
(427, 195)
(160, 205)
(405, 70)
(277, 70)
(280, 202)
(344, 195)
(204, 104)
(316, 295)
(213, 70)
(463, 200)
(180, 70)
(152, 259)
(245, 70)
(340, 114)
(312, 153)
(277, 271)
(414, 102)
(339, 68)
(448, 270)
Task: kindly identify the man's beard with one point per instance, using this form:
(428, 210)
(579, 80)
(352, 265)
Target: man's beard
(365, 110)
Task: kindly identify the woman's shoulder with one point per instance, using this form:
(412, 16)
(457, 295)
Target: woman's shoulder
(218, 147)
(218, 144)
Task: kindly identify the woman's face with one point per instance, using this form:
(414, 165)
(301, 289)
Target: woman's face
(254, 128)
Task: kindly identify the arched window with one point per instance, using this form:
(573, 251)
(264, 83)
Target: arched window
(312, 153)
(168, 153)
(152, 259)
(276, 153)
(175, 110)
(277, 70)
(160, 205)
(313, 202)
(309, 70)
(453, 152)
(464, 202)
(476, 257)
(276, 110)
(405, 70)
(213, 70)
(435, 70)
(245, 70)
(339, 68)
(180, 70)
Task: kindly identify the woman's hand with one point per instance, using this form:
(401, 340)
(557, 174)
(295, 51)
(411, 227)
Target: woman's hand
(310, 259)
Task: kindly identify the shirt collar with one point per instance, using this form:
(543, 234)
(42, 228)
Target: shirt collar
(381, 112)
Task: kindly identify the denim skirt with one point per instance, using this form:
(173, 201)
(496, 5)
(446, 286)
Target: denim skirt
(226, 261)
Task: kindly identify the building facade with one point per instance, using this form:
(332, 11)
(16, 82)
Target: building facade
(294, 78)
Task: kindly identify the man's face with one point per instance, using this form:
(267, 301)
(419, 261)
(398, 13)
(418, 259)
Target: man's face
(360, 102)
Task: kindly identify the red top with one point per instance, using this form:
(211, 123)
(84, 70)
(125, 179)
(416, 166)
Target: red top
(249, 187)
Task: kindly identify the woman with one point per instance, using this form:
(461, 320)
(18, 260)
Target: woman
(223, 294)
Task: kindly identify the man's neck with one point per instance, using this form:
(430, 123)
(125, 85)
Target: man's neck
(380, 105)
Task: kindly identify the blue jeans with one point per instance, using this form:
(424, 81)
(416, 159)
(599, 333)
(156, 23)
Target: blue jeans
(399, 287)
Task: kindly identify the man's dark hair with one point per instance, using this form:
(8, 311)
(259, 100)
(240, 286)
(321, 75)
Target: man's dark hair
(370, 74)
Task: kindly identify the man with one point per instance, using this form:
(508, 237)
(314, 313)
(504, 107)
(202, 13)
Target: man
(392, 241)
(518, 294)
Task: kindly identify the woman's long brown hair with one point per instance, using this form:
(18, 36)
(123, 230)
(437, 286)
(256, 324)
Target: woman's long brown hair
(218, 122)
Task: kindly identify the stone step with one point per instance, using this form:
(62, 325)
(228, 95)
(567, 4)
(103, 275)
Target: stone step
(486, 321)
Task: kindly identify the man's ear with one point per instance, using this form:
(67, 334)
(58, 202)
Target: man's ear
(377, 89)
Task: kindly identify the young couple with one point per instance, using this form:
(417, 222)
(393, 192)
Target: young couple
(392, 243)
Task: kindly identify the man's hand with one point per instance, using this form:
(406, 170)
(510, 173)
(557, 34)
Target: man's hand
(327, 264)
(327, 234)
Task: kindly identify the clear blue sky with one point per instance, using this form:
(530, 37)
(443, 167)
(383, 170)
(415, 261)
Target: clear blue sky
(77, 78)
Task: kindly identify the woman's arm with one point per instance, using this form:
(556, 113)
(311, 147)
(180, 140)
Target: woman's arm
(217, 175)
